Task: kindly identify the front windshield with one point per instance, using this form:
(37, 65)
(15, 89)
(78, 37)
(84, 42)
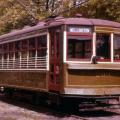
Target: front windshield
(79, 47)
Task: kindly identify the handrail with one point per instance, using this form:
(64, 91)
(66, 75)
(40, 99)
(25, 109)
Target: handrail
(30, 63)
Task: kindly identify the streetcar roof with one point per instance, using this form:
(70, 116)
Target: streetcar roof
(62, 21)
(24, 30)
(106, 23)
(87, 21)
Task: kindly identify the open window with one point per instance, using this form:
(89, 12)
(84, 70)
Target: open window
(117, 48)
(103, 46)
(79, 47)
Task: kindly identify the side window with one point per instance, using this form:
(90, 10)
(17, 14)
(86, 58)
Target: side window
(11, 55)
(103, 46)
(11, 50)
(24, 44)
(32, 47)
(32, 53)
(1, 52)
(42, 42)
(41, 46)
(5, 56)
(24, 48)
(5, 47)
(17, 49)
(32, 43)
(17, 45)
(117, 47)
(24, 54)
(11, 47)
(17, 55)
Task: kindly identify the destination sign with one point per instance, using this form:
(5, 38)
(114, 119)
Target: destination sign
(80, 29)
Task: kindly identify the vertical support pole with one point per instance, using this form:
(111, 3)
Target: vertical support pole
(36, 52)
(27, 59)
(8, 56)
(47, 56)
(112, 48)
(36, 59)
(8, 61)
(64, 46)
(28, 53)
(14, 60)
(94, 43)
(20, 59)
(55, 56)
(20, 53)
(2, 60)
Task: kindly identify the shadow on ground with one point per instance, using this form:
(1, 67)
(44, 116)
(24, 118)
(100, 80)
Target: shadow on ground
(60, 113)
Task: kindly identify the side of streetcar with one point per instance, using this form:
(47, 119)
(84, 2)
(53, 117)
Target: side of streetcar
(24, 61)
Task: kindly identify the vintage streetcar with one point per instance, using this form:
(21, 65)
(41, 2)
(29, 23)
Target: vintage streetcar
(63, 59)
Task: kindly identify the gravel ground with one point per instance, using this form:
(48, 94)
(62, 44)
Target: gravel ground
(12, 110)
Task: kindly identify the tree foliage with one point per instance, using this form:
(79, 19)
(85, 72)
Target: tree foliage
(104, 9)
(14, 14)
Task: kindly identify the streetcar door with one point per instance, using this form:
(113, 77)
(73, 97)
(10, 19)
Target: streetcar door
(54, 76)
